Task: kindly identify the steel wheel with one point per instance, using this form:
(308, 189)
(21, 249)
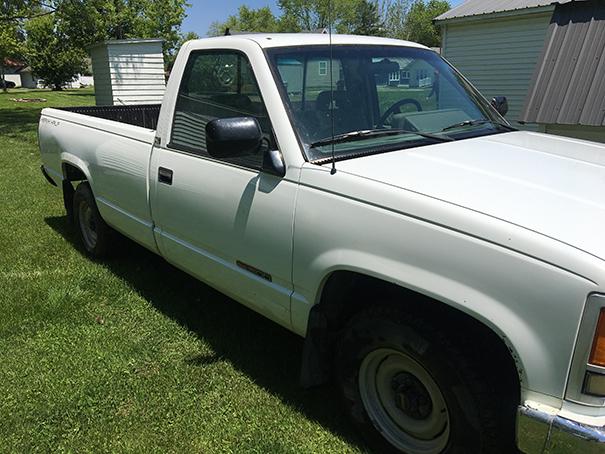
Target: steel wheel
(403, 402)
(410, 386)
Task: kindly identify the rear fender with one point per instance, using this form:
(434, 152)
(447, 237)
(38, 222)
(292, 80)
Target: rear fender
(78, 163)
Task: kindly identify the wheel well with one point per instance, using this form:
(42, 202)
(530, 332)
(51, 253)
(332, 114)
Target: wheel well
(72, 173)
(345, 293)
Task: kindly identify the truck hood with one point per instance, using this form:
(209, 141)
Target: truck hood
(552, 185)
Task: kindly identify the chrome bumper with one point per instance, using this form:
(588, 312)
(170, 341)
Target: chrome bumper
(539, 432)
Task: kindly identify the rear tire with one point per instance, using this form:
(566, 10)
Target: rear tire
(68, 200)
(409, 388)
(94, 233)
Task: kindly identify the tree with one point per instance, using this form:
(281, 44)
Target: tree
(182, 40)
(344, 16)
(13, 11)
(247, 20)
(419, 26)
(366, 20)
(10, 46)
(50, 54)
(394, 14)
(304, 15)
(85, 22)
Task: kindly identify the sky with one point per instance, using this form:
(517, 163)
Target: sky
(202, 13)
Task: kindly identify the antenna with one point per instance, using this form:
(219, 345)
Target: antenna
(333, 169)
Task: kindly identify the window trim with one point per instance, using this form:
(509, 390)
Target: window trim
(271, 54)
(184, 149)
(320, 64)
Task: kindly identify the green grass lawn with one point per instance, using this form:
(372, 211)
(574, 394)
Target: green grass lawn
(130, 354)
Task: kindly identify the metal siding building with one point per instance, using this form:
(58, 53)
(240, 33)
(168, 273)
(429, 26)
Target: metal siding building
(499, 44)
(509, 7)
(498, 56)
(129, 71)
(567, 92)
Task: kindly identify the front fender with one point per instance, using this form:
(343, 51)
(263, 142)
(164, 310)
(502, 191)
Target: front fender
(533, 305)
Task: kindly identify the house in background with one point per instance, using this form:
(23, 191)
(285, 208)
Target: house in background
(19, 73)
(547, 58)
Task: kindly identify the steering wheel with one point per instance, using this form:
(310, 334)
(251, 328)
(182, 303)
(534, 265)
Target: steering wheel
(395, 107)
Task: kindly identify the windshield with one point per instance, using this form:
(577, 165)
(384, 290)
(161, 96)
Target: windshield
(373, 88)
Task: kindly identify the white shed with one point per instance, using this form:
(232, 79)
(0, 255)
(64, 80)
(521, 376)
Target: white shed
(128, 71)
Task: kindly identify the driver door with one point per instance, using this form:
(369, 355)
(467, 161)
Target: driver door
(224, 220)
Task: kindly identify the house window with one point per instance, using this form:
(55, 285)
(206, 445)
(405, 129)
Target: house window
(422, 74)
(394, 76)
(423, 78)
(405, 74)
(323, 68)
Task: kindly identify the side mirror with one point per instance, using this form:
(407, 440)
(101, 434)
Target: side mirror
(233, 137)
(273, 163)
(500, 104)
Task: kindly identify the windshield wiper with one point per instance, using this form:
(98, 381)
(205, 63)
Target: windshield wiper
(363, 134)
(480, 121)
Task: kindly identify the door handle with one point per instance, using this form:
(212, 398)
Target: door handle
(164, 175)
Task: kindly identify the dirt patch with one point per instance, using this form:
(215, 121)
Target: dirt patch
(28, 99)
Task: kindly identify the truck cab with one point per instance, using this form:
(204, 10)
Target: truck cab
(445, 269)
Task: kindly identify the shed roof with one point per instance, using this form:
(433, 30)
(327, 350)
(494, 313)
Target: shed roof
(128, 41)
(479, 7)
(569, 80)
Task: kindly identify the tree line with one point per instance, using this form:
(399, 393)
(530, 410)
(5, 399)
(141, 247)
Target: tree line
(401, 19)
(54, 36)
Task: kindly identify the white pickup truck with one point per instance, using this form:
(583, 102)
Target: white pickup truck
(445, 269)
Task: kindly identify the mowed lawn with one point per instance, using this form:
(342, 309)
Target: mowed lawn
(130, 354)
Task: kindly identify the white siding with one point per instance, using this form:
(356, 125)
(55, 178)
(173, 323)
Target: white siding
(129, 72)
(28, 81)
(16, 78)
(100, 73)
(498, 56)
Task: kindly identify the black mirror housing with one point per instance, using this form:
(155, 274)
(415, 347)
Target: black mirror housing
(273, 163)
(500, 103)
(233, 137)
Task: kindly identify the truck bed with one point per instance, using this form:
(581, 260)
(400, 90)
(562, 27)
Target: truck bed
(143, 115)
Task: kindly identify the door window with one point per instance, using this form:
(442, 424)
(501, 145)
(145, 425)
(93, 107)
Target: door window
(217, 85)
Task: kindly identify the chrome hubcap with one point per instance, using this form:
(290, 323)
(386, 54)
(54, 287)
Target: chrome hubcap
(404, 402)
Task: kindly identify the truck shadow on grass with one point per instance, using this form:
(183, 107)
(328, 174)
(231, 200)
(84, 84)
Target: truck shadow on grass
(16, 122)
(267, 353)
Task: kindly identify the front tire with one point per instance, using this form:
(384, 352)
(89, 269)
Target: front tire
(93, 231)
(408, 388)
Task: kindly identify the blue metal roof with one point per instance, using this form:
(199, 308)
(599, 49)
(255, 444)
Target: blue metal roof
(480, 7)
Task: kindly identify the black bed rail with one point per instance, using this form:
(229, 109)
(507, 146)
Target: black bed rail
(144, 115)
